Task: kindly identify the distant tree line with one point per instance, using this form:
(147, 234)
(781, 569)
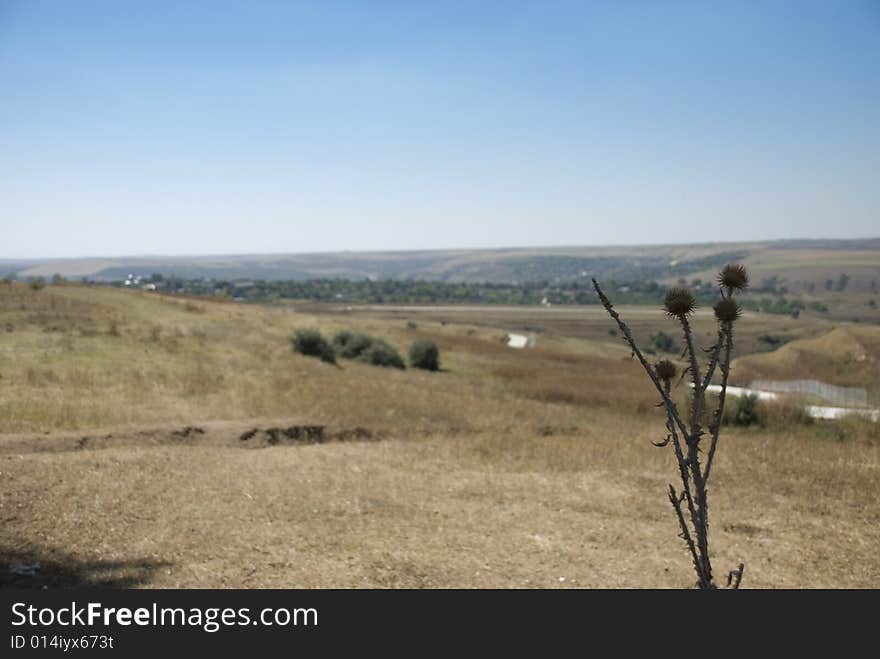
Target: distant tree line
(407, 291)
(403, 291)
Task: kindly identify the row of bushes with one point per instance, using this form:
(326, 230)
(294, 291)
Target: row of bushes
(365, 348)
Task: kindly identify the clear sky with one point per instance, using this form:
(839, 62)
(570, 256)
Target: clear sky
(169, 127)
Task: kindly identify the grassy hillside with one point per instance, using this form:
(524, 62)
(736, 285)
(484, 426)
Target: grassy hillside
(82, 357)
(811, 269)
(128, 457)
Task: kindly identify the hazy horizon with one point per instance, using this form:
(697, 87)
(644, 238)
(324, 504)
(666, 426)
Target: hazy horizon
(218, 128)
(491, 248)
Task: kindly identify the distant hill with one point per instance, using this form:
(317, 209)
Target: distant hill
(846, 356)
(799, 264)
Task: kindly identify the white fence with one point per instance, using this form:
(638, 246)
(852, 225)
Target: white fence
(815, 411)
(521, 340)
(847, 396)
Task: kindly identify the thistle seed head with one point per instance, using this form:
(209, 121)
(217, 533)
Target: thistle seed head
(679, 302)
(727, 310)
(665, 370)
(733, 277)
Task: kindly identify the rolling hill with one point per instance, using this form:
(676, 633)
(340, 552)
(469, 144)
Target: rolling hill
(847, 356)
(799, 265)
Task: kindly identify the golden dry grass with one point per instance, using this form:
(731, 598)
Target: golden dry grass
(507, 469)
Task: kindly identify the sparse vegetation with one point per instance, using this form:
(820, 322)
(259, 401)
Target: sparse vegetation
(772, 341)
(784, 306)
(192, 307)
(523, 458)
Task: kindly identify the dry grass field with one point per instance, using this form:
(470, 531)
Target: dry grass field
(122, 460)
(556, 324)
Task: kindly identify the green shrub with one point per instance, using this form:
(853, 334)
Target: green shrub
(744, 411)
(381, 353)
(312, 343)
(424, 354)
(367, 349)
(340, 341)
(664, 343)
(351, 345)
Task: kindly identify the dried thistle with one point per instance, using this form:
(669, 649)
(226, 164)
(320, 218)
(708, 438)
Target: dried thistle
(727, 310)
(687, 435)
(666, 370)
(733, 277)
(679, 302)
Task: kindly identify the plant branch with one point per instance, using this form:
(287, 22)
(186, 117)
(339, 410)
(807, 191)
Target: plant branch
(682, 467)
(670, 406)
(685, 533)
(713, 360)
(735, 576)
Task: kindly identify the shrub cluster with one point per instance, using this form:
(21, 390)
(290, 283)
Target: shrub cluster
(311, 342)
(368, 349)
(364, 348)
(381, 353)
(351, 345)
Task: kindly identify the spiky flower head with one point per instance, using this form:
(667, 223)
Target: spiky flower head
(727, 310)
(733, 277)
(679, 302)
(665, 370)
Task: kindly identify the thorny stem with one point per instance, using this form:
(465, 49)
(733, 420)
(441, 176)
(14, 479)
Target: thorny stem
(685, 532)
(670, 406)
(705, 578)
(713, 360)
(701, 522)
(715, 428)
(695, 376)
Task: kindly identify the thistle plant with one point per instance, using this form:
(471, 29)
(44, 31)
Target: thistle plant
(687, 436)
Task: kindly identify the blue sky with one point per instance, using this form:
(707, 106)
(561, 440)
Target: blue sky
(235, 127)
